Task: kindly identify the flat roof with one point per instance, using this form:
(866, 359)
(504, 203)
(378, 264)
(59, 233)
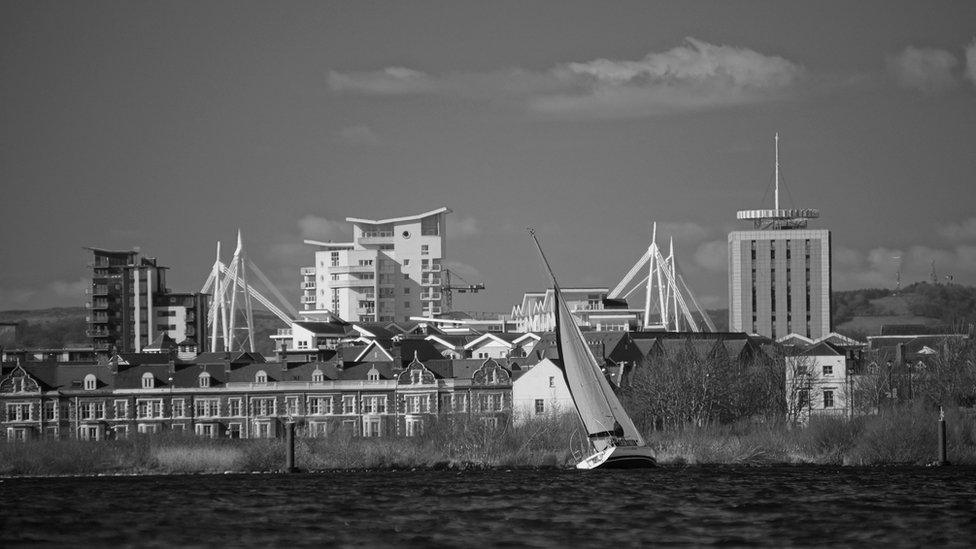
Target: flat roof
(329, 244)
(440, 210)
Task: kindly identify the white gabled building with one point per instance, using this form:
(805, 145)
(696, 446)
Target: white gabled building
(539, 392)
(390, 271)
(588, 305)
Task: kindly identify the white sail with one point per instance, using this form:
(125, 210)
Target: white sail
(598, 406)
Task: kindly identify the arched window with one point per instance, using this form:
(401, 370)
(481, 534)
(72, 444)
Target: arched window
(373, 374)
(91, 382)
(204, 379)
(318, 376)
(148, 381)
(261, 377)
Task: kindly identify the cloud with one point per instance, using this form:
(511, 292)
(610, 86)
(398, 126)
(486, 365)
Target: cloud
(389, 81)
(682, 231)
(928, 70)
(319, 228)
(694, 76)
(964, 230)
(359, 135)
(713, 256)
(971, 62)
(462, 227)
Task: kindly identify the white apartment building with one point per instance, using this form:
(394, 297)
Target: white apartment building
(389, 272)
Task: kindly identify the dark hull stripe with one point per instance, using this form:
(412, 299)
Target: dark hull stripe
(628, 462)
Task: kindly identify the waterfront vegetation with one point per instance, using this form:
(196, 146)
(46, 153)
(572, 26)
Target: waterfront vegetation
(897, 435)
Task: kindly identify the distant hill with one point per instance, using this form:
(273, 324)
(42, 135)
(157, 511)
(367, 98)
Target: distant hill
(65, 326)
(860, 313)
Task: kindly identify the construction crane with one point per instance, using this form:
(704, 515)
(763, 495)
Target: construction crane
(449, 288)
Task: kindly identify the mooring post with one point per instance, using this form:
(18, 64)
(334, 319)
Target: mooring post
(290, 447)
(943, 454)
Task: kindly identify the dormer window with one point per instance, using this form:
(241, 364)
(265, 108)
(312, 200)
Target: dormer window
(318, 376)
(261, 377)
(91, 382)
(204, 379)
(148, 381)
(373, 375)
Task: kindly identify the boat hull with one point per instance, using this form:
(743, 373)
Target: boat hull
(620, 457)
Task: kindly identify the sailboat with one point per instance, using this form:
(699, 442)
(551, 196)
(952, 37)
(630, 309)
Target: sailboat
(612, 436)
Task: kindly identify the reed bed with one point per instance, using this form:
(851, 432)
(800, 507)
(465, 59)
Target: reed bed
(901, 435)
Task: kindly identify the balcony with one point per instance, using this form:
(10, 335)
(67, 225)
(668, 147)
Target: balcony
(432, 281)
(99, 290)
(430, 296)
(308, 299)
(97, 318)
(431, 269)
(346, 269)
(366, 311)
(354, 283)
(98, 304)
(308, 285)
(433, 311)
(308, 271)
(97, 333)
(100, 263)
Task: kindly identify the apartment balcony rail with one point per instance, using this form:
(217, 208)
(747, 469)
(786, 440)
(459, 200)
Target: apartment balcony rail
(97, 333)
(97, 290)
(431, 281)
(308, 285)
(430, 296)
(101, 263)
(433, 311)
(306, 271)
(378, 234)
(354, 283)
(308, 299)
(98, 304)
(346, 269)
(97, 318)
(431, 269)
(366, 311)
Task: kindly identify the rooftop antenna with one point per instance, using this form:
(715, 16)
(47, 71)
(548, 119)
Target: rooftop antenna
(776, 191)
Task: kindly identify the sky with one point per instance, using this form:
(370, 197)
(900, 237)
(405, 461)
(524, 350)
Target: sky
(169, 125)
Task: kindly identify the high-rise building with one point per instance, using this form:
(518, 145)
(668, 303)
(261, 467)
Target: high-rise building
(388, 273)
(130, 304)
(780, 273)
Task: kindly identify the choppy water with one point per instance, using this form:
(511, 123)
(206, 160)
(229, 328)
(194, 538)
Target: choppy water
(698, 505)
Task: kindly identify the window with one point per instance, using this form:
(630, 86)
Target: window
(803, 398)
(204, 379)
(318, 376)
(148, 381)
(234, 407)
(349, 404)
(50, 410)
(263, 406)
(406, 304)
(92, 410)
(208, 430)
(552, 381)
(540, 406)
(460, 402)
(19, 411)
(371, 427)
(828, 370)
(414, 426)
(207, 407)
(406, 290)
(373, 375)
(424, 249)
(828, 398)
(374, 405)
(406, 277)
(121, 409)
(291, 405)
(406, 262)
(414, 404)
(91, 382)
(261, 377)
(416, 377)
(147, 428)
(319, 406)
(149, 409)
(178, 407)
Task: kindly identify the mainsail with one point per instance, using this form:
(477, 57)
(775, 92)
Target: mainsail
(602, 414)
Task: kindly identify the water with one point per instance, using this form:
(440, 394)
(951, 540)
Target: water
(773, 506)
